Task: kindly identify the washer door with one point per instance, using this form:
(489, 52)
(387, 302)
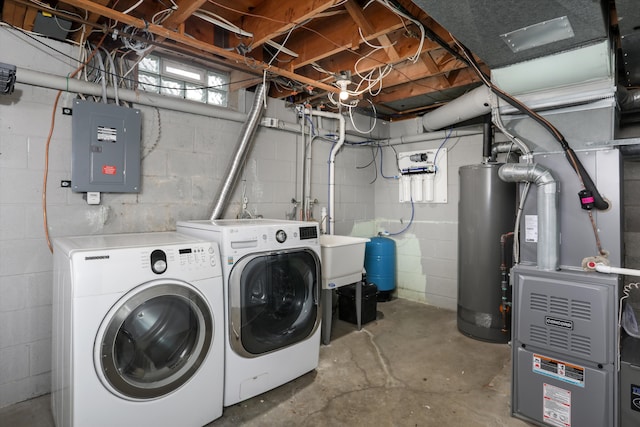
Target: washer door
(153, 340)
(273, 300)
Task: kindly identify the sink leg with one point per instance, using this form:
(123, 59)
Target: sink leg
(359, 304)
(327, 314)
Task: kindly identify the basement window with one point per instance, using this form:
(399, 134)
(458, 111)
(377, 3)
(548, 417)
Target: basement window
(168, 77)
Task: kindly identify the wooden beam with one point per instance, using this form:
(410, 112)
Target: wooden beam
(325, 38)
(186, 8)
(93, 17)
(357, 14)
(274, 17)
(187, 41)
(425, 86)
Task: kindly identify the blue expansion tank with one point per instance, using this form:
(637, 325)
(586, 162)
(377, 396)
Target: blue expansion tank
(380, 264)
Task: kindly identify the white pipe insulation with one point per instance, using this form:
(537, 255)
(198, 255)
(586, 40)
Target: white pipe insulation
(332, 166)
(548, 229)
(51, 81)
(468, 106)
(601, 268)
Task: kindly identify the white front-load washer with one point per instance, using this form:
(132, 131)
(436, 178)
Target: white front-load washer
(272, 275)
(137, 331)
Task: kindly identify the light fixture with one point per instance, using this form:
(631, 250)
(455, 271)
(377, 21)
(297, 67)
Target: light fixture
(343, 79)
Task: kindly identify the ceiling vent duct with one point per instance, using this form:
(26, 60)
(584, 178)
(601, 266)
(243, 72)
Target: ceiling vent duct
(505, 32)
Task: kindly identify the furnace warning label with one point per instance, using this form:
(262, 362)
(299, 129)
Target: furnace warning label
(531, 228)
(559, 370)
(107, 134)
(556, 406)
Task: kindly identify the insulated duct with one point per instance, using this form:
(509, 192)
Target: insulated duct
(473, 104)
(548, 232)
(242, 149)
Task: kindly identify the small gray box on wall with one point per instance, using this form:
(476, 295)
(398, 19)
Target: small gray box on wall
(105, 154)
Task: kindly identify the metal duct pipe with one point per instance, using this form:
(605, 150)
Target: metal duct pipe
(468, 106)
(51, 81)
(242, 148)
(548, 230)
(503, 147)
(487, 138)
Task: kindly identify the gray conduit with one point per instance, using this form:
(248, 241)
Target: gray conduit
(51, 81)
(548, 229)
(241, 151)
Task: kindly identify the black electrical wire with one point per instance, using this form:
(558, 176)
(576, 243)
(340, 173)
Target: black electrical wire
(598, 201)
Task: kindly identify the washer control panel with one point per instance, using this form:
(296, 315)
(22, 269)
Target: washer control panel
(183, 258)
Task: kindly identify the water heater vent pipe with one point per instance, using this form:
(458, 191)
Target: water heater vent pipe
(548, 229)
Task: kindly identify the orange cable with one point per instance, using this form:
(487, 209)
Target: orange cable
(48, 143)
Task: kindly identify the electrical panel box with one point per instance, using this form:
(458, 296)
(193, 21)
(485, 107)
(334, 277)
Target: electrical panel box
(105, 151)
(423, 176)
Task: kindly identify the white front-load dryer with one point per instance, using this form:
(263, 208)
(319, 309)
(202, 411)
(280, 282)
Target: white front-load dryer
(272, 275)
(137, 331)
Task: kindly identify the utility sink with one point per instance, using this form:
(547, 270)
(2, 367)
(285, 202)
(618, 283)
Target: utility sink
(342, 259)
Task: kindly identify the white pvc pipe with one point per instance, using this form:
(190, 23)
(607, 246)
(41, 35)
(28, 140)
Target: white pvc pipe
(332, 166)
(601, 268)
(51, 81)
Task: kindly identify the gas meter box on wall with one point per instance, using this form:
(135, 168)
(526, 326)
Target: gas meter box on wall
(105, 150)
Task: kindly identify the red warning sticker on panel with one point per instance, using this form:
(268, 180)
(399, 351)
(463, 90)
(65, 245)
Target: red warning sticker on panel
(109, 170)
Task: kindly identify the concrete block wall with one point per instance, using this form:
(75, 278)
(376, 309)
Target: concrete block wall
(427, 250)
(185, 157)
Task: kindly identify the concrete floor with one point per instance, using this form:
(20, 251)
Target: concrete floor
(410, 367)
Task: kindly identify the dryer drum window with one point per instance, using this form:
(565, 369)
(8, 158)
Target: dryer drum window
(154, 339)
(274, 301)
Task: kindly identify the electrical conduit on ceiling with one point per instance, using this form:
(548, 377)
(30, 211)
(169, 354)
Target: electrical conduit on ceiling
(548, 229)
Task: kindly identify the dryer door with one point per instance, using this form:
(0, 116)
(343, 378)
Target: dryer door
(273, 300)
(153, 340)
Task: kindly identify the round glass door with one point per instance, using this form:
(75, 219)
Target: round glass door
(274, 301)
(154, 339)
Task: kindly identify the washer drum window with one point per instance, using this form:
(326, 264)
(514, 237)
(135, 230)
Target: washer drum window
(153, 340)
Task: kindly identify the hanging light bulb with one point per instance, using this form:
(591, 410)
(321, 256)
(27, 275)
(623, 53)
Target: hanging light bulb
(344, 95)
(343, 79)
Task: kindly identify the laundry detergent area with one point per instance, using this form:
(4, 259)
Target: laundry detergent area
(341, 213)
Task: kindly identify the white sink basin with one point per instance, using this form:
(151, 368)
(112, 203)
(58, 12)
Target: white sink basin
(342, 259)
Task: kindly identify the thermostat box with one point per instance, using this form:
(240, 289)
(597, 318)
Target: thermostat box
(105, 149)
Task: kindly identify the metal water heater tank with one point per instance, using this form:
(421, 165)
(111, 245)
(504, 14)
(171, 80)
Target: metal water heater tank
(380, 265)
(486, 211)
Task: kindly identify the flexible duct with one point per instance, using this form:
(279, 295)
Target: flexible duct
(242, 148)
(548, 230)
(468, 106)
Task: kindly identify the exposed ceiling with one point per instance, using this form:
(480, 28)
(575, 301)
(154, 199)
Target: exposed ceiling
(305, 45)
(321, 39)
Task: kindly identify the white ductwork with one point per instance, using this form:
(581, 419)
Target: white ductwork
(468, 106)
(548, 229)
(242, 149)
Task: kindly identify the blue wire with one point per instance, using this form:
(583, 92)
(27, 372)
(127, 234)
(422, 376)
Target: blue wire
(446, 138)
(410, 221)
(313, 129)
(382, 173)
